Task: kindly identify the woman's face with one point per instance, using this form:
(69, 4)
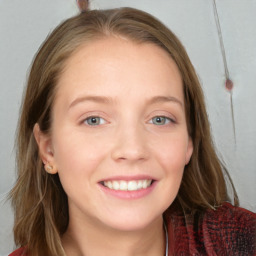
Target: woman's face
(119, 137)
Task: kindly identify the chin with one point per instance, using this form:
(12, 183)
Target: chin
(130, 222)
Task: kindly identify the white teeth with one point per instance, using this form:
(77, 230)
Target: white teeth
(132, 185)
(127, 185)
(109, 184)
(140, 184)
(123, 185)
(144, 184)
(115, 185)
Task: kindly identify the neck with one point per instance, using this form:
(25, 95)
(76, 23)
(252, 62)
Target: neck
(89, 239)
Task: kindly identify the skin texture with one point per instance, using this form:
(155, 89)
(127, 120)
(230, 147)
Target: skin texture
(126, 85)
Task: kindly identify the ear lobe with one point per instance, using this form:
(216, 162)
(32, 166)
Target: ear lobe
(50, 169)
(44, 145)
(189, 151)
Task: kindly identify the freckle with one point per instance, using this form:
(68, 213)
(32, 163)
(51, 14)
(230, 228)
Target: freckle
(229, 85)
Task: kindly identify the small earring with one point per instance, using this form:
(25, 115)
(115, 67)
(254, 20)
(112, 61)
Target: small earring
(50, 169)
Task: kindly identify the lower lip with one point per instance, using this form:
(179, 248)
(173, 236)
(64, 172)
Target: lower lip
(130, 195)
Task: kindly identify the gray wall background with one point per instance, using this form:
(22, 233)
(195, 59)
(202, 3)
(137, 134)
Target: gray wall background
(24, 24)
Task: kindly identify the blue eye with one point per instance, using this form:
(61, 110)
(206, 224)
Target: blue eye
(94, 120)
(160, 120)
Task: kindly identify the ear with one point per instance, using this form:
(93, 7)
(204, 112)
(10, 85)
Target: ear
(45, 149)
(189, 151)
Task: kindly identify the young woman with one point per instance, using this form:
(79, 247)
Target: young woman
(115, 155)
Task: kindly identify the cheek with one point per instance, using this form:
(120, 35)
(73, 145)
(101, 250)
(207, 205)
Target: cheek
(170, 156)
(76, 161)
(77, 157)
(76, 146)
(171, 153)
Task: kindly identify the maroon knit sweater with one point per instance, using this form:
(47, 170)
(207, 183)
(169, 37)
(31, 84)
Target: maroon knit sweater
(227, 231)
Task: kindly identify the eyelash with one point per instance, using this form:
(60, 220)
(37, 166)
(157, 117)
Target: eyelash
(94, 117)
(102, 121)
(167, 120)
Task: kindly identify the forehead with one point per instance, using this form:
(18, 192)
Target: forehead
(112, 65)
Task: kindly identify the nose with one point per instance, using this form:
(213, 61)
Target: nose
(130, 145)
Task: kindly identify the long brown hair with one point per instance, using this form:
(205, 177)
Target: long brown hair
(39, 201)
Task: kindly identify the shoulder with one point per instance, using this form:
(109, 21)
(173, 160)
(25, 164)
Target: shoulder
(19, 252)
(228, 230)
(231, 228)
(228, 213)
(230, 219)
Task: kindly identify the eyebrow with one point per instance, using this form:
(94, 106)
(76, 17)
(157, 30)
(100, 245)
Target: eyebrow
(99, 99)
(160, 99)
(107, 100)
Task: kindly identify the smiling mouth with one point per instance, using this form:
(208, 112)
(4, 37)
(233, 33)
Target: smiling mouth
(123, 185)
